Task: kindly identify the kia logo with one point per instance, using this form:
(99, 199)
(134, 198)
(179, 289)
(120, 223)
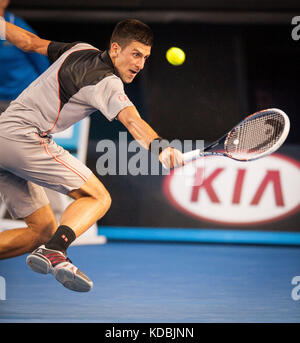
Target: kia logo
(224, 191)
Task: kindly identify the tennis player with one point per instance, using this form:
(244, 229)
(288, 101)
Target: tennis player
(80, 81)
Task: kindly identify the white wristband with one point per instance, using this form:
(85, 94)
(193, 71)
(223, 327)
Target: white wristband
(2, 28)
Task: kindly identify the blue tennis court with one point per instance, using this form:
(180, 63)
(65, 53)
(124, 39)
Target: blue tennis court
(160, 282)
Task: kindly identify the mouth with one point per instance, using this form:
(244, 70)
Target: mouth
(133, 72)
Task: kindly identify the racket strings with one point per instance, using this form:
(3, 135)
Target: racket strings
(255, 136)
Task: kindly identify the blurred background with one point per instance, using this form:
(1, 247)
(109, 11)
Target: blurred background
(241, 57)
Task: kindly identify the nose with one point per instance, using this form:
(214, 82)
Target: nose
(141, 64)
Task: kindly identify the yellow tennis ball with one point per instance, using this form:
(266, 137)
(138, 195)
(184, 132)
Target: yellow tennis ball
(175, 56)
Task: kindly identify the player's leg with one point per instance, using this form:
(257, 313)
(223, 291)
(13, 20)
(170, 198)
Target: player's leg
(25, 200)
(91, 202)
(43, 162)
(41, 225)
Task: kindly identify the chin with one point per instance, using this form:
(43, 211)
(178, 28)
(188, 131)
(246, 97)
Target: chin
(128, 81)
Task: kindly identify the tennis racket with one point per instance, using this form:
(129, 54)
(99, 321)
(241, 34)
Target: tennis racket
(256, 136)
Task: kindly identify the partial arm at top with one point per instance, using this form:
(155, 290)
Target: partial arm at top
(25, 40)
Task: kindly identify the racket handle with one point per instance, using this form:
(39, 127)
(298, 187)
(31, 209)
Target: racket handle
(191, 155)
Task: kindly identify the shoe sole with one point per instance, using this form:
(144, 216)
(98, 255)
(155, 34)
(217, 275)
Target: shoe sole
(72, 281)
(39, 264)
(69, 279)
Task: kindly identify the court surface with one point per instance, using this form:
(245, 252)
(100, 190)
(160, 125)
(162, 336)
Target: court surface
(160, 282)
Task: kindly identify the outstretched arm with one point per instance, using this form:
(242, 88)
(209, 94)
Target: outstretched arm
(25, 40)
(144, 134)
(138, 128)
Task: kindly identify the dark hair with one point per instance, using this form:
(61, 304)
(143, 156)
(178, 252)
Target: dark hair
(129, 30)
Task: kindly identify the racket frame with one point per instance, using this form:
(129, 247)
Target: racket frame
(194, 154)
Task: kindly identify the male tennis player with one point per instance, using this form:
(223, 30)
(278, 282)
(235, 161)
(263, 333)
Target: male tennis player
(80, 80)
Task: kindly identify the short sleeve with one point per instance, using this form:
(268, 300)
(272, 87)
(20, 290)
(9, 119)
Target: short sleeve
(56, 49)
(109, 97)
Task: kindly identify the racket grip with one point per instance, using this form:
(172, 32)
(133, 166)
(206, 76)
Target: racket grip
(191, 155)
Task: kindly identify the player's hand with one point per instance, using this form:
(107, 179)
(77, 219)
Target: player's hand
(171, 158)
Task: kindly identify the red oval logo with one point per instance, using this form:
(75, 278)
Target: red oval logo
(225, 191)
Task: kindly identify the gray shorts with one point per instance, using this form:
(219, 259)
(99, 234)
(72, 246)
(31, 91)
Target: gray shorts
(27, 165)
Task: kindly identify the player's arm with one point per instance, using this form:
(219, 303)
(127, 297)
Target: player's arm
(25, 40)
(140, 130)
(145, 135)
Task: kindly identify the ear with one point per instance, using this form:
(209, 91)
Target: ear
(115, 49)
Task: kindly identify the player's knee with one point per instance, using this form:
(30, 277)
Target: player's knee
(101, 194)
(95, 190)
(104, 200)
(108, 201)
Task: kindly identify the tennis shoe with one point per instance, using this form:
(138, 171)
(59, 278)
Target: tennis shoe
(46, 261)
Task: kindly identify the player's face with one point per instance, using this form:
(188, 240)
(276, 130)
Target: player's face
(129, 60)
